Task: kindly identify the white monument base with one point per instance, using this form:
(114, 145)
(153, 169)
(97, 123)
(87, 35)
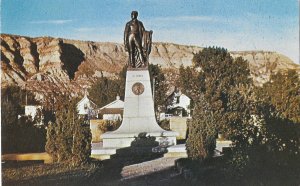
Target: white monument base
(139, 116)
(125, 139)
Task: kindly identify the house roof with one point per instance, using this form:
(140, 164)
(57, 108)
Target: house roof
(86, 99)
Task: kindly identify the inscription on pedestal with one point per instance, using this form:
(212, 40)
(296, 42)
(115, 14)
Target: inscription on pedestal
(138, 75)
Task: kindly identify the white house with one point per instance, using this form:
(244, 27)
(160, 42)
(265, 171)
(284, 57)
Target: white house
(181, 101)
(112, 111)
(178, 104)
(85, 106)
(32, 110)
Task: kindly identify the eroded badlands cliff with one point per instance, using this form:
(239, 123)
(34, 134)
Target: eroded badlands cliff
(46, 65)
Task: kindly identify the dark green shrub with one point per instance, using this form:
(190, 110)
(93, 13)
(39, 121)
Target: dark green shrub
(107, 125)
(201, 135)
(82, 144)
(68, 139)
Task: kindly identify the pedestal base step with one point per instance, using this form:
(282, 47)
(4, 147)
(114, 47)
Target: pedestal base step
(176, 151)
(98, 152)
(221, 144)
(118, 140)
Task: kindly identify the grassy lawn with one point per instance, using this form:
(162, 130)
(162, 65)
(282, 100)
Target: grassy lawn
(104, 173)
(37, 173)
(107, 172)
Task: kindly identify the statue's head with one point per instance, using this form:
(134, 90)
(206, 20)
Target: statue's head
(134, 14)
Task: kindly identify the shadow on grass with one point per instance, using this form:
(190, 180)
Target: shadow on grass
(217, 171)
(165, 177)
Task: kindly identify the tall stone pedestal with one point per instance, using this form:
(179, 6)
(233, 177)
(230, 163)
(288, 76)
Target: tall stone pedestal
(139, 115)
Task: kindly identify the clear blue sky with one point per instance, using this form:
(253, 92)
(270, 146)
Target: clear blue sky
(234, 24)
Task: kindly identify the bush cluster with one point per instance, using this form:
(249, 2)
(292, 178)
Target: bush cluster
(107, 125)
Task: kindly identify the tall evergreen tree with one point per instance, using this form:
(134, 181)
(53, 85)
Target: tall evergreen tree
(201, 142)
(68, 139)
(82, 137)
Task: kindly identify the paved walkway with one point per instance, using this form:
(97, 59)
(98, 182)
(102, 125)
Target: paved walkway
(122, 171)
(148, 167)
(156, 172)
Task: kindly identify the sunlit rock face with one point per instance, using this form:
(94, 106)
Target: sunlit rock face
(46, 65)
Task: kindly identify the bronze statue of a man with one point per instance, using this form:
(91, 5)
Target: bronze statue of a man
(133, 36)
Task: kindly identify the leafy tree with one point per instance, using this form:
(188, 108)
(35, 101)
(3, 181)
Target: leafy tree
(105, 90)
(17, 95)
(279, 110)
(275, 137)
(9, 115)
(190, 82)
(31, 135)
(283, 92)
(15, 130)
(221, 86)
(160, 91)
(263, 122)
(12, 104)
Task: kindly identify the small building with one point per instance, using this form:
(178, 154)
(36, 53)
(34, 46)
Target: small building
(32, 110)
(85, 106)
(112, 111)
(177, 104)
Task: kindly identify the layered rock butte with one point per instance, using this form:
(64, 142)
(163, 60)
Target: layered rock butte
(46, 65)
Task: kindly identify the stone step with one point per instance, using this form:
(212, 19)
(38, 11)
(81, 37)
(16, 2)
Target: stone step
(103, 153)
(176, 151)
(220, 144)
(176, 155)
